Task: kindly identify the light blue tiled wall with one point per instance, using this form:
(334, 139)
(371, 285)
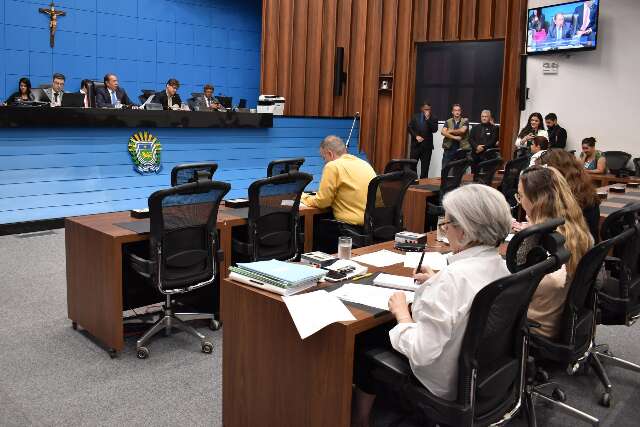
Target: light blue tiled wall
(144, 42)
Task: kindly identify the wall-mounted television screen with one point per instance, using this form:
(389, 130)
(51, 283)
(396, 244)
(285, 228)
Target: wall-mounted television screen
(563, 27)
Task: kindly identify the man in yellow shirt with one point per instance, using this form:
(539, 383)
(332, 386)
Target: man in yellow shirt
(344, 183)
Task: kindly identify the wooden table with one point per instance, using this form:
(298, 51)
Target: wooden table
(94, 256)
(607, 179)
(271, 377)
(615, 201)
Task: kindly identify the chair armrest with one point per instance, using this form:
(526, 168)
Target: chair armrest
(612, 264)
(140, 265)
(389, 360)
(435, 209)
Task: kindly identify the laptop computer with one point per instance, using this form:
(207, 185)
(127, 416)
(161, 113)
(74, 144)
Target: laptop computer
(39, 95)
(73, 99)
(225, 101)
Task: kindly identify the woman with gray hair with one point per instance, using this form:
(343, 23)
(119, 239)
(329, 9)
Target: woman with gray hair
(477, 220)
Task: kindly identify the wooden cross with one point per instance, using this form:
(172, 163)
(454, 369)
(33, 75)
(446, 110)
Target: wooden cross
(53, 21)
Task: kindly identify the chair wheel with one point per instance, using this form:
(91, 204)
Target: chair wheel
(542, 376)
(142, 353)
(214, 325)
(74, 325)
(605, 400)
(207, 347)
(559, 395)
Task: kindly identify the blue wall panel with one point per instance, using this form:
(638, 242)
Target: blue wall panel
(145, 42)
(53, 173)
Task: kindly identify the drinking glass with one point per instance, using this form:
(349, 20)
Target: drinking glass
(344, 247)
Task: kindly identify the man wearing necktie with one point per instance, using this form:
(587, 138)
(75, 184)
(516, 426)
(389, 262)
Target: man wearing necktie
(560, 30)
(56, 90)
(207, 102)
(112, 95)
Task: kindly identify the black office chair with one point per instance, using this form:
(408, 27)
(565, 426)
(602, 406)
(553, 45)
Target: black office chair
(509, 185)
(395, 165)
(636, 164)
(94, 86)
(183, 251)
(617, 163)
(146, 93)
(192, 172)
(383, 213)
(521, 152)
(460, 154)
(280, 166)
(493, 355)
(486, 170)
(450, 179)
(490, 153)
(273, 229)
(619, 297)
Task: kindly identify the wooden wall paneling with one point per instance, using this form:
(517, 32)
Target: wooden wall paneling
(355, 80)
(420, 19)
(269, 51)
(401, 82)
(435, 26)
(369, 112)
(451, 22)
(486, 19)
(343, 39)
(298, 58)
(469, 20)
(329, 29)
(285, 34)
(386, 66)
(510, 111)
(501, 17)
(314, 52)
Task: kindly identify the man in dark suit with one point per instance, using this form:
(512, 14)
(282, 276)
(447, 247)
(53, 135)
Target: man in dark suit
(560, 30)
(482, 137)
(169, 97)
(557, 134)
(421, 128)
(112, 95)
(56, 91)
(586, 25)
(207, 102)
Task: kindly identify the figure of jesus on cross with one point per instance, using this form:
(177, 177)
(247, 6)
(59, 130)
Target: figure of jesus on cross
(53, 21)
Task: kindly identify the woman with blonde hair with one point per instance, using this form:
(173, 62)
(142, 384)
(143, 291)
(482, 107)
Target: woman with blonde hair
(545, 194)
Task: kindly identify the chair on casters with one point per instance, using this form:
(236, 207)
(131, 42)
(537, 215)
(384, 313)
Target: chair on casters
(493, 355)
(273, 229)
(183, 252)
(617, 163)
(451, 178)
(509, 185)
(383, 212)
(636, 164)
(191, 172)
(486, 171)
(277, 167)
(395, 165)
(619, 297)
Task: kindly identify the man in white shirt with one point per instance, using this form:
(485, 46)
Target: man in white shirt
(430, 336)
(539, 146)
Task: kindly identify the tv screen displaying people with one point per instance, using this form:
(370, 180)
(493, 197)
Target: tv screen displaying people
(562, 27)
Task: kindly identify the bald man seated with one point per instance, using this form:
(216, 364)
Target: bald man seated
(344, 183)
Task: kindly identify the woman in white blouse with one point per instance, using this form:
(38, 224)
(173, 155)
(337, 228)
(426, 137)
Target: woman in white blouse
(533, 128)
(477, 220)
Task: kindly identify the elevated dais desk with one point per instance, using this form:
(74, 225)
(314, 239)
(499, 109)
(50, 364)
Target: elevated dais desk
(95, 248)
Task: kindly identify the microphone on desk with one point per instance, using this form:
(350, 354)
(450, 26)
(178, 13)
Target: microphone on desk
(353, 124)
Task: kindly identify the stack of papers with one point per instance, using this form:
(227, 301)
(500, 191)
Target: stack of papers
(315, 310)
(371, 296)
(282, 277)
(396, 282)
(436, 260)
(383, 258)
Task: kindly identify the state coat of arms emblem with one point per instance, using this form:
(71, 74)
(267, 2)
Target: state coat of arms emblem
(145, 149)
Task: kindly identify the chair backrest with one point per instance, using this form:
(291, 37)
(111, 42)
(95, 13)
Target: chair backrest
(192, 172)
(486, 171)
(490, 153)
(492, 358)
(184, 237)
(452, 174)
(530, 245)
(617, 161)
(274, 205)
(280, 166)
(509, 185)
(95, 85)
(636, 164)
(385, 196)
(395, 165)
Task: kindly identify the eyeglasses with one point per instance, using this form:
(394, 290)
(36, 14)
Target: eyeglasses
(441, 226)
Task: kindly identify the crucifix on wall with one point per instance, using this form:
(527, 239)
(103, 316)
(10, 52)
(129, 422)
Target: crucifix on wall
(53, 21)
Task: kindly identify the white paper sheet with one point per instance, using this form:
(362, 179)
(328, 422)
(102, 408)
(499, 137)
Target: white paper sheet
(436, 260)
(315, 310)
(383, 258)
(372, 296)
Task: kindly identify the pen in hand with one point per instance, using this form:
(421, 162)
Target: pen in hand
(420, 263)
